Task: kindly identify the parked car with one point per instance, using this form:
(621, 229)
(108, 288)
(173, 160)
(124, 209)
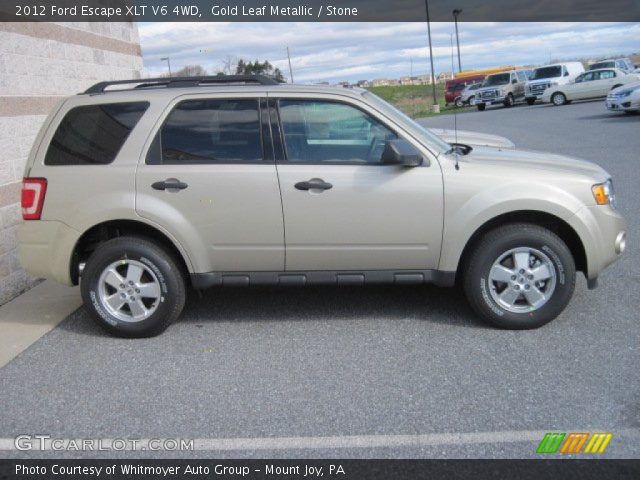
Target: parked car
(506, 88)
(624, 99)
(550, 76)
(588, 85)
(624, 64)
(468, 95)
(138, 193)
(454, 87)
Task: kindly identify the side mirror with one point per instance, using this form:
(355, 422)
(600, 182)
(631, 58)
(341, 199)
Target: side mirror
(515, 80)
(566, 74)
(401, 152)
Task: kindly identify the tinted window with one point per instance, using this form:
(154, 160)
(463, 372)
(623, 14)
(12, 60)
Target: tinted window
(587, 77)
(317, 131)
(209, 131)
(498, 79)
(546, 72)
(598, 65)
(93, 134)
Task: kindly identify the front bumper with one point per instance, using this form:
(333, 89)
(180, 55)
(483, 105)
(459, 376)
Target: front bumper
(603, 233)
(623, 104)
(491, 101)
(45, 249)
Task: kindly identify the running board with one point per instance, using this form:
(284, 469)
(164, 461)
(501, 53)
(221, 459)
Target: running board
(203, 281)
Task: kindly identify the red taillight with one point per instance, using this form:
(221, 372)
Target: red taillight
(33, 190)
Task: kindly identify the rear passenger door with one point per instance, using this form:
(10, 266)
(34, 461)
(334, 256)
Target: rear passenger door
(207, 180)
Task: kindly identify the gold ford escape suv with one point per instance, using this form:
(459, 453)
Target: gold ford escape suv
(138, 189)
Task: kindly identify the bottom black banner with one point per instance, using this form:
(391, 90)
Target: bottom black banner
(326, 469)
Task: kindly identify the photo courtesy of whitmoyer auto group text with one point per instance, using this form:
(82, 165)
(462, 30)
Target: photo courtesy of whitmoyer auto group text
(339, 239)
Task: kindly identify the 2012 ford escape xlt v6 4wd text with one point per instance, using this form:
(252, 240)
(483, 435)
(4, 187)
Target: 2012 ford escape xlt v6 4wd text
(138, 189)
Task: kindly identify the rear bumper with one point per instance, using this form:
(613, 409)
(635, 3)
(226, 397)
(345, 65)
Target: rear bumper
(45, 249)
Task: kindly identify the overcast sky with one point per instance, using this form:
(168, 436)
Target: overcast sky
(354, 51)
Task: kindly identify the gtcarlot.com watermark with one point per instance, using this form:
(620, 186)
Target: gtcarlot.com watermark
(49, 443)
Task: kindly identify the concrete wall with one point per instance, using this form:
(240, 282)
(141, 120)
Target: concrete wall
(39, 64)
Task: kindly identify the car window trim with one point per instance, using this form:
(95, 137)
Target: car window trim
(284, 159)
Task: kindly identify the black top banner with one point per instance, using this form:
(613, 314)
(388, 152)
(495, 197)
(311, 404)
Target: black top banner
(319, 10)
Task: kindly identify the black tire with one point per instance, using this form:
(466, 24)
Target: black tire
(558, 99)
(531, 101)
(508, 102)
(481, 106)
(459, 103)
(168, 273)
(494, 244)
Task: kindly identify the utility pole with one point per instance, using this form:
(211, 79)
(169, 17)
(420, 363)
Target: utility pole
(168, 60)
(457, 12)
(435, 107)
(290, 69)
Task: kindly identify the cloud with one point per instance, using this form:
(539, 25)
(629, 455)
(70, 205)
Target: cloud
(353, 51)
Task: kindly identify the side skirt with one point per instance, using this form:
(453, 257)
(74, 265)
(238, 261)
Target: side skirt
(202, 281)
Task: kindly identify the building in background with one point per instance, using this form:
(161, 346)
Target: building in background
(40, 63)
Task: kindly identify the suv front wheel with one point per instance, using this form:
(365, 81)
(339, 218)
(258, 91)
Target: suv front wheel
(133, 287)
(520, 276)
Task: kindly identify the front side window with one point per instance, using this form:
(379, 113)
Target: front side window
(209, 131)
(93, 134)
(324, 131)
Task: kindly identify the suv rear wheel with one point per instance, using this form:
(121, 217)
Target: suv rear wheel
(133, 287)
(481, 106)
(520, 276)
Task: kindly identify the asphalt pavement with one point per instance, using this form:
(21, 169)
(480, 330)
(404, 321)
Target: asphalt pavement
(363, 372)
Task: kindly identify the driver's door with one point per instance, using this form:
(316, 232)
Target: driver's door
(343, 209)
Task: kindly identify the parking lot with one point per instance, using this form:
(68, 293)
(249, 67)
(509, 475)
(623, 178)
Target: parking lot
(363, 372)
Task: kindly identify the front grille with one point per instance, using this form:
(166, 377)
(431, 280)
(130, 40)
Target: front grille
(538, 88)
(489, 94)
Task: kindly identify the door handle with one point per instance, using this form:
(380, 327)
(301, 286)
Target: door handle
(313, 184)
(171, 184)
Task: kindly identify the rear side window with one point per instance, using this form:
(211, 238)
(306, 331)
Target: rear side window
(209, 131)
(93, 134)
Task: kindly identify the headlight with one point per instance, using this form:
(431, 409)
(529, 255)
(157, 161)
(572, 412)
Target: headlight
(604, 194)
(624, 93)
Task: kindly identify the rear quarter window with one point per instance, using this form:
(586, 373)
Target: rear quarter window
(93, 134)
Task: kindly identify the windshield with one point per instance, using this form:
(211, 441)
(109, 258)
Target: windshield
(595, 66)
(500, 79)
(547, 72)
(417, 130)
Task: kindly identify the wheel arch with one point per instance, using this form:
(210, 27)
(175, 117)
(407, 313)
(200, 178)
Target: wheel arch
(535, 217)
(101, 232)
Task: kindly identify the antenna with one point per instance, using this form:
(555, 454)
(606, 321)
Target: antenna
(455, 114)
(290, 69)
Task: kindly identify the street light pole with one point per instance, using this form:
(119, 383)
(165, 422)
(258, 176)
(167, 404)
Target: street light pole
(168, 60)
(435, 107)
(457, 12)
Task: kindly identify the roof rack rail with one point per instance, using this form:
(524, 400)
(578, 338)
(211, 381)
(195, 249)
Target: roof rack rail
(184, 82)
